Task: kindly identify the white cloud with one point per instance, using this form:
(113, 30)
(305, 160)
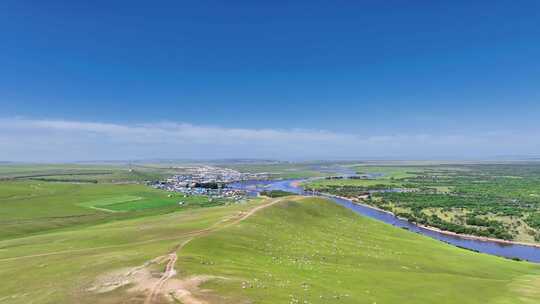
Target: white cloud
(58, 140)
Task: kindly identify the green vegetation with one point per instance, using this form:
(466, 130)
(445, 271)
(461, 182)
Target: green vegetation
(388, 172)
(276, 193)
(491, 200)
(28, 207)
(105, 243)
(104, 202)
(102, 173)
(386, 178)
(363, 184)
(298, 250)
(534, 220)
(312, 251)
(60, 266)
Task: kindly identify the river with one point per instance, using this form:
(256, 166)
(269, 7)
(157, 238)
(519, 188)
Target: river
(529, 253)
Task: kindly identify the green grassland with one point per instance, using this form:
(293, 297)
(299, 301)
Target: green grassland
(390, 177)
(312, 251)
(59, 240)
(28, 207)
(390, 172)
(59, 266)
(297, 251)
(91, 173)
(365, 183)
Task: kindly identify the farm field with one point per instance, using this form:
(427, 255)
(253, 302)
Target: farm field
(488, 200)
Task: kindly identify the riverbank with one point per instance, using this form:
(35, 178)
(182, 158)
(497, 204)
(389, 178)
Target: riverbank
(478, 238)
(497, 247)
(446, 232)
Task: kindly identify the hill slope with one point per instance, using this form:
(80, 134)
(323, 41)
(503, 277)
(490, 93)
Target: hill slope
(286, 250)
(312, 251)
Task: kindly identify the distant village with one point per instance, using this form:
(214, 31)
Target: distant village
(208, 180)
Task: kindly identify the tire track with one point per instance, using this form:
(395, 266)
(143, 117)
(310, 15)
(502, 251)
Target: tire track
(173, 256)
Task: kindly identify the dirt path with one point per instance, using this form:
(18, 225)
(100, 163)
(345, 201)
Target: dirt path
(173, 256)
(190, 233)
(169, 273)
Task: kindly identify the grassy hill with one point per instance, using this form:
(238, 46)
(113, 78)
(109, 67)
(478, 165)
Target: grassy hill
(61, 266)
(299, 250)
(312, 251)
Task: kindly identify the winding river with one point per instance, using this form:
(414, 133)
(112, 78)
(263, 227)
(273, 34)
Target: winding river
(529, 253)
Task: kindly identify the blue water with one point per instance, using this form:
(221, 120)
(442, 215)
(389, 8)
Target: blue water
(523, 252)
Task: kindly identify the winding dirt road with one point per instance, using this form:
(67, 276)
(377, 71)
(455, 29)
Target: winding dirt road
(190, 233)
(173, 256)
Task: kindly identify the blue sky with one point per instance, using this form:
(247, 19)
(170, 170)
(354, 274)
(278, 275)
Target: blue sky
(315, 79)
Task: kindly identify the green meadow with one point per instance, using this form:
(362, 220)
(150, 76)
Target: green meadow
(312, 251)
(390, 176)
(80, 242)
(322, 183)
(85, 173)
(390, 172)
(32, 207)
(60, 266)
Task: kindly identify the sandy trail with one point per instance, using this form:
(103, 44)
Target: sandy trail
(169, 273)
(183, 292)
